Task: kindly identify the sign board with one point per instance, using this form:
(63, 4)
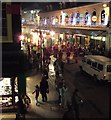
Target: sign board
(94, 18)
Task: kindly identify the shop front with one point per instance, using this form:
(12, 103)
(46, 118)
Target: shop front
(8, 91)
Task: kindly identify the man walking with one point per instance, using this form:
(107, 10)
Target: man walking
(44, 88)
(75, 105)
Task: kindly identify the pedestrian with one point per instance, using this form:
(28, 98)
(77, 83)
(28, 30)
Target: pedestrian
(76, 55)
(67, 98)
(44, 89)
(45, 73)
(62, 91)
(59, 84)
(68, 57)
(21, 108)
(75, 103)
(27, 101)
(61, 63)
(36, 92)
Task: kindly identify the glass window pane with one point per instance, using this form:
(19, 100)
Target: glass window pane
(108, 68)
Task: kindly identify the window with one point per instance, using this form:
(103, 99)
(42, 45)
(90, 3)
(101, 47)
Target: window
(86, 18)
(71, 18)
(60, 19)
(88, 61)
(94, 18)
(100, 67)
(108, 68)
(94, 64)
(103, 17)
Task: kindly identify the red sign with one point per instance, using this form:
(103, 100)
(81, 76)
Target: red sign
(94, 18)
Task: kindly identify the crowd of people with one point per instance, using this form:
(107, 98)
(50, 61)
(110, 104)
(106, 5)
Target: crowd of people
(64, 97)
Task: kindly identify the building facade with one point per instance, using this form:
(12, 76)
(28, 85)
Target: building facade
(13, 59)
(85, 24)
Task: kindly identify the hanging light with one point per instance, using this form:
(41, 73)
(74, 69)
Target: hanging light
(104, 5)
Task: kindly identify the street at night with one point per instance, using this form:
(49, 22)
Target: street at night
(56, 60)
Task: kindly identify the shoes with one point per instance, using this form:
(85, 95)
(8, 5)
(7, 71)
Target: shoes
(37, 104)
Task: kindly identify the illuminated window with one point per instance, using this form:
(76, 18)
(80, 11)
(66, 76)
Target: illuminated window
(86, 18)
(77, 18)
(103, 17)
(94, 18)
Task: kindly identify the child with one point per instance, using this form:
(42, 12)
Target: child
(36, 91)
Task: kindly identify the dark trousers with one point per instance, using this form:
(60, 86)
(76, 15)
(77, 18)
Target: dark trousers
(76, 109)
(44, 96)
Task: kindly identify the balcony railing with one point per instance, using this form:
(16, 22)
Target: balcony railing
(59, 25)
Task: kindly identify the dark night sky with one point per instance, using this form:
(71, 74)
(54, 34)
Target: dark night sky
(42, 5)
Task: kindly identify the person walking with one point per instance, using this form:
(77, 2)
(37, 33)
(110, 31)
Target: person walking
(75, 103)
(21, 109)
(62, 91)
(67, 98)
(44, 89)
(36, 92)
(45, 73)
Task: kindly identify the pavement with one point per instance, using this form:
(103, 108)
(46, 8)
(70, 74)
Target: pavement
(51, 108)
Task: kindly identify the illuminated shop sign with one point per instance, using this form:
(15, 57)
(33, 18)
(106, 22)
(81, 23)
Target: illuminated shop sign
(94, 18)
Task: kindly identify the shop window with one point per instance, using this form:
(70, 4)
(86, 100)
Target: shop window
(6, 91)
(103, 17)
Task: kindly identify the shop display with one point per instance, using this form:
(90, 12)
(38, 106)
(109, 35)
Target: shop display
(6, 91)
(5, 86)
